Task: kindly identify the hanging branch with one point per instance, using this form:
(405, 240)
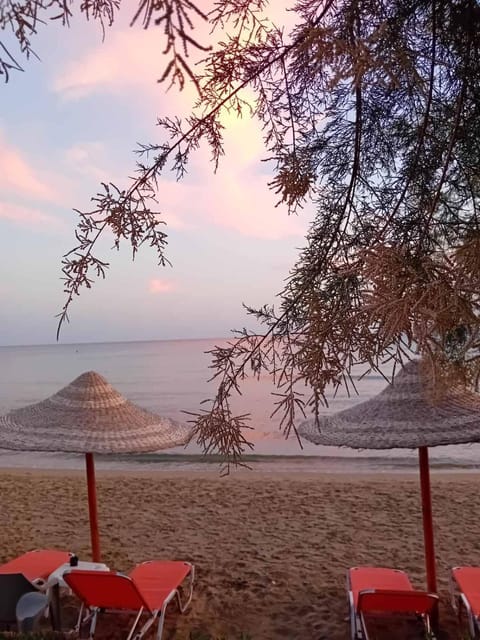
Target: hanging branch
(177, 18)
(369, 111)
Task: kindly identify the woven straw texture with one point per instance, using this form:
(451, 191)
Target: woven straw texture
(400, 416)
(89, 416)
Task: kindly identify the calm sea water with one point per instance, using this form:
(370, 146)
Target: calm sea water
(171, 377)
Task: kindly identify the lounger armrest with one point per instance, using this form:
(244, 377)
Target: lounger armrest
(372, 601)
(39, 583)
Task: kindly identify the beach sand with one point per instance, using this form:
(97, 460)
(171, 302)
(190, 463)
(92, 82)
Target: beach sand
(270, 551)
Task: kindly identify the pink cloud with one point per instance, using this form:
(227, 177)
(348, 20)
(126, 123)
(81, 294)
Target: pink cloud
(238, 198)
(83, 152)
(89, 159)
(133, 57)
(106, 67)
(174, 221)
(160, 286)
(252, 211)
(19, 175)
(29, 217)
(226, 201)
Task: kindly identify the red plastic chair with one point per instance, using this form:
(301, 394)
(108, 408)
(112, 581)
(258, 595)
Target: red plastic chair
(149, 588)
(374, 591)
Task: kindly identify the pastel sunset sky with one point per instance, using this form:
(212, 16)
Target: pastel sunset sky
(72, 120)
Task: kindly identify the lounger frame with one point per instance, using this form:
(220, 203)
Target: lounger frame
(91, 614)
(459, 600)
(358, 624)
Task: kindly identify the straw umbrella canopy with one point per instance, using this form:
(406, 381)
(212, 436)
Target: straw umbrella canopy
(403, 416)
(89, 416)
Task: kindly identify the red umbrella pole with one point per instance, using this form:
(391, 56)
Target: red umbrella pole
(427, 520)
(92, 507)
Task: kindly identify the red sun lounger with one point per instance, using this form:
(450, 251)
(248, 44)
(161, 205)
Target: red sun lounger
(465, 592)
(149, 588)
(36, 565)
(21, 577)
(374, 591)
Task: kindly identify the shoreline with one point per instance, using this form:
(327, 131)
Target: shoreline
(246, 475)
(258, 463)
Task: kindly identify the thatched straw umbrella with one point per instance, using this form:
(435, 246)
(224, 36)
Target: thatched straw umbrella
(89, 416)
(402, 416)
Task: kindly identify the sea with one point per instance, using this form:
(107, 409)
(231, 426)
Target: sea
(172, 378)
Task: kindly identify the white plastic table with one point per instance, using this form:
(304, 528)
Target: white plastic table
(55, 581)
(56, 578)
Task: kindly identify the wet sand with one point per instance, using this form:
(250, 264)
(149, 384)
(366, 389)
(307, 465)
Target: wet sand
(270, 551)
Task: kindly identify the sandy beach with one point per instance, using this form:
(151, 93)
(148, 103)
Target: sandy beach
(270, 551)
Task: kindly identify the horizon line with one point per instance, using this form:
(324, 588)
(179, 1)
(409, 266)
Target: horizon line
(96, 342)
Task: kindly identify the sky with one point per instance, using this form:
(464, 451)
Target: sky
(72, 120)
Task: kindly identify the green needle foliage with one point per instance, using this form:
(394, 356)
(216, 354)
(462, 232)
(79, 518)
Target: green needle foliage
(370, 109)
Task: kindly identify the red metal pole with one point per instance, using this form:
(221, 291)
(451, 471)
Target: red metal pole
(92, 507)
(427, 520)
